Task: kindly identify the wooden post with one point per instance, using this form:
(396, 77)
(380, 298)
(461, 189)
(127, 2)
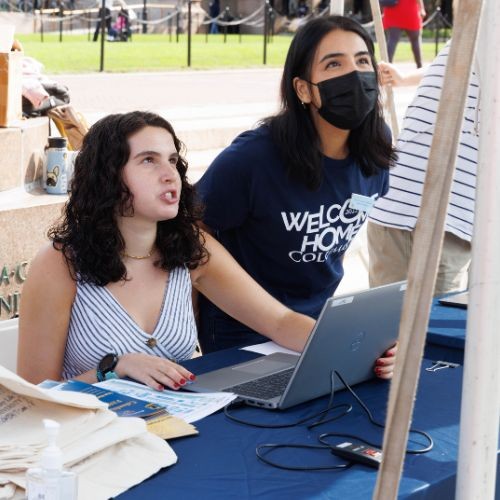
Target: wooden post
(382, 46)
(337, 7)
(428, 240)
(480, 412)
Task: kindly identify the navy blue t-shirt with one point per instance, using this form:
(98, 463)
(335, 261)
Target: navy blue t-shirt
(288, 238)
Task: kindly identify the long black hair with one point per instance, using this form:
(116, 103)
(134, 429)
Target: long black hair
(293, 130)
(88, 233)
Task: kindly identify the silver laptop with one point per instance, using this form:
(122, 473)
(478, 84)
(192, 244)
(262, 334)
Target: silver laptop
(460, 299)
(351, 332)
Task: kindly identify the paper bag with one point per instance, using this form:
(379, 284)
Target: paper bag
(10, 88)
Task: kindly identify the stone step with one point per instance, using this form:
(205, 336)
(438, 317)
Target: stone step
(208, 126)
(199, 161)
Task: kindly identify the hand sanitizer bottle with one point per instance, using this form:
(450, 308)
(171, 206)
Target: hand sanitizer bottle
(50, 481)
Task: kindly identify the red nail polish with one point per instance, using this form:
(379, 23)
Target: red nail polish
(378, 371)
(380, 362)
(182, 381)
(192, 377)
(176, 385)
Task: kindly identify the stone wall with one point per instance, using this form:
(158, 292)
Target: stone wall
(26, 211)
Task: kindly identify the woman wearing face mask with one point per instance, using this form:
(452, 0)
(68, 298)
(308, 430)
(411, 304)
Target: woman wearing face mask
(287, 198)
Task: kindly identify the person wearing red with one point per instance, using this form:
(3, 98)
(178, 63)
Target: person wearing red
(406, 15)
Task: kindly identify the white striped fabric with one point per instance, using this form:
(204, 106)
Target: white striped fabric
(100, 325)
(399, 208)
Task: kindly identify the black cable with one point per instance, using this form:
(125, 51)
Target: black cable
(348, 408)
(263, 450)
(378, 424)
(321, 421)
(262, 456)
(320, 414)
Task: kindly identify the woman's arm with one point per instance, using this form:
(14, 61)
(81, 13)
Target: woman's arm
(231, 289)
(46, 302)
(421, 6)
(390, 75)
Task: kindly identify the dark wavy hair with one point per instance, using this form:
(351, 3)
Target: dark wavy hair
(293, 130)
(88, 233)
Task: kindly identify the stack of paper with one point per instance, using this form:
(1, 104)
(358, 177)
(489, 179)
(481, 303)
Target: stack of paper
(93, 439)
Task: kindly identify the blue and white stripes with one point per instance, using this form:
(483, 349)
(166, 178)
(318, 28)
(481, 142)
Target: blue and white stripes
(399, 208)
(100, 325)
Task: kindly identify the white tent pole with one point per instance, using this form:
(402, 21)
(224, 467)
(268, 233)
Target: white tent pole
(337, 7)
(480, 412)
(425, 256)
(382, 45)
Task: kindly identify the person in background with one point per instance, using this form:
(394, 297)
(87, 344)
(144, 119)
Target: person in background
(302, 9)
(214, 11)
(287, 198)
(406, 16)
(122, 24)
(357, 9)
(107, 13)
(392, 221)
(111, 295)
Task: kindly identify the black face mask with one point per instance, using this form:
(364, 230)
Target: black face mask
(348, 99)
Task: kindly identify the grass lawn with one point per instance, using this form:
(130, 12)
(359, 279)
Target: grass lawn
(157, 52)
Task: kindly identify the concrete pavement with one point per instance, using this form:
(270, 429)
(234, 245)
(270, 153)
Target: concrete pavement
(207, 108)
(184, 94)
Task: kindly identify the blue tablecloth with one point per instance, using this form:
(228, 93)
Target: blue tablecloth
(446, 333)
(221, 463)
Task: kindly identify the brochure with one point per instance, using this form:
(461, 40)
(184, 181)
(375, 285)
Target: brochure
(186, 405)
(121, 404)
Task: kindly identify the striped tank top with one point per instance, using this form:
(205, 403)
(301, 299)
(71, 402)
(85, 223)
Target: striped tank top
(400, 207)
(100, 325)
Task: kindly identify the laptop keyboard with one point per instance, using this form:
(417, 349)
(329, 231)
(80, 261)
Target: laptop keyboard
(264, 388)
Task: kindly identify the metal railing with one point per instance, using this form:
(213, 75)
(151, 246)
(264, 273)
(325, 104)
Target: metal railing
(264, 18)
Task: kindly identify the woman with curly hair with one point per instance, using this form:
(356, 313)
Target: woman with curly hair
(111, 295)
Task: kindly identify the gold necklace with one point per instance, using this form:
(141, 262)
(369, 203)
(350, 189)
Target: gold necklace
(138, 257)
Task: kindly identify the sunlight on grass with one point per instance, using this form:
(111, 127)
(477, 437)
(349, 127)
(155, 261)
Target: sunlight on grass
(76, 54)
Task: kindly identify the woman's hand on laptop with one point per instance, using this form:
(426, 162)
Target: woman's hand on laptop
(384, 366)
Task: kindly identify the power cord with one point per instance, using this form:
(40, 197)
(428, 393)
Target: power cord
(261, 455)
(263, 450)
(322, 414)
(322, 437)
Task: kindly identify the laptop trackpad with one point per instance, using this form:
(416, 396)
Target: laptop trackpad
(261, 367)
(243, 372)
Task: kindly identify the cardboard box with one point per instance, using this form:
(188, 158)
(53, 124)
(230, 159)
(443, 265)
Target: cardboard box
(10, 88)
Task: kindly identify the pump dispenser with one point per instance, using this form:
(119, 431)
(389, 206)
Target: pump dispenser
(50, 481)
